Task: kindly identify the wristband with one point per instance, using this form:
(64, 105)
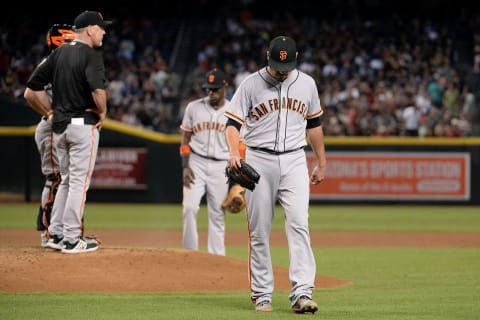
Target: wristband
(185, 150)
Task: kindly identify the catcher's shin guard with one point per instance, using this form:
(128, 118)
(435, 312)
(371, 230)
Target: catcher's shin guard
(45, 211)
(43, 217)
(40, 225)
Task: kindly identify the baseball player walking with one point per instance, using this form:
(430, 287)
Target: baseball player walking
(77, 74)
(279, 105)
(204, 155)
(57, 35)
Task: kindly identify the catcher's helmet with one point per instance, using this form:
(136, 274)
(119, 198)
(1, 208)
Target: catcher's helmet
(59, 34)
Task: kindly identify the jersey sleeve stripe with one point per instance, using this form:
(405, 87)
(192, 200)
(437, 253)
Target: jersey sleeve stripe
(185, 128)
(234, 117)
(314, 115)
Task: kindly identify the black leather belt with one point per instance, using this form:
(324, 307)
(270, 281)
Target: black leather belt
(209, 158)
(274, 152)
(89, 117)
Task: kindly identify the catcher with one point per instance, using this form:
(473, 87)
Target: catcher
(57, 35)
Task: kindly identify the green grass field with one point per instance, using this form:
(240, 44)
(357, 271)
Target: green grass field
(388, 282)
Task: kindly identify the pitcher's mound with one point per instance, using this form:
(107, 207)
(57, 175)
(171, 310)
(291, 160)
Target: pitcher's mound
(112, 269)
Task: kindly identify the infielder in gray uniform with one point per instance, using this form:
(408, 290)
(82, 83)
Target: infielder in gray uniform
(204, 155)
(57, 35)
(79, 105)
(279, 106)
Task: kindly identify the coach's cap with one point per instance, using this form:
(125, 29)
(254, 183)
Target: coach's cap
(282, 54)
(215, 79)
(90, 18)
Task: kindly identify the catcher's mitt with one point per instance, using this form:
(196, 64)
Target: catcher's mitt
(235, 201)
(246, 176)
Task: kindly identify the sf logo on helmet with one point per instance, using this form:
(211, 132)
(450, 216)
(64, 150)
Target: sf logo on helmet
(283, 55)
(64, 37)
(59, 35)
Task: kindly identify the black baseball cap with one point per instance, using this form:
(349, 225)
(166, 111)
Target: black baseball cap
(215, 79)
(90, 18)
(283, 54)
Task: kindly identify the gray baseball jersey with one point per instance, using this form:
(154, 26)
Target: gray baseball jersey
(208, 127)
(256, 104)
(49, 161)
(274, 114)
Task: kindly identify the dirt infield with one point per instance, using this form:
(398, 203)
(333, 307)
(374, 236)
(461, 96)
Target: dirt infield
(150, 261)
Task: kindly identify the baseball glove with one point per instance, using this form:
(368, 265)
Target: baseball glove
(246, 176)
(235, 201)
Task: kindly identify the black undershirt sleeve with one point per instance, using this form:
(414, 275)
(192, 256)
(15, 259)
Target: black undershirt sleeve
(313, 123)
(234, 123)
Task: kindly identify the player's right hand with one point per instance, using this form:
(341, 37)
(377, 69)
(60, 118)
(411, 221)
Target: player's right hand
(234, 162)
(188, 177)
(50, 118)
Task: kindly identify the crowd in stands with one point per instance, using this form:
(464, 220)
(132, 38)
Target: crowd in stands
(388, 76)
(376, 77)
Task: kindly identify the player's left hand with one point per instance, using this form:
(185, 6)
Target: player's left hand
(318, 174)
(101, 117)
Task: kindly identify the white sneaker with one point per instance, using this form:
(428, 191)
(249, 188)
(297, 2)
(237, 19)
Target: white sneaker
(81, 246)
(55, 242)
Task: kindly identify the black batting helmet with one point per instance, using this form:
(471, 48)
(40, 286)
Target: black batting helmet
(59, 34)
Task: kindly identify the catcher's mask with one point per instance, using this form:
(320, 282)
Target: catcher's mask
(59, 34)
